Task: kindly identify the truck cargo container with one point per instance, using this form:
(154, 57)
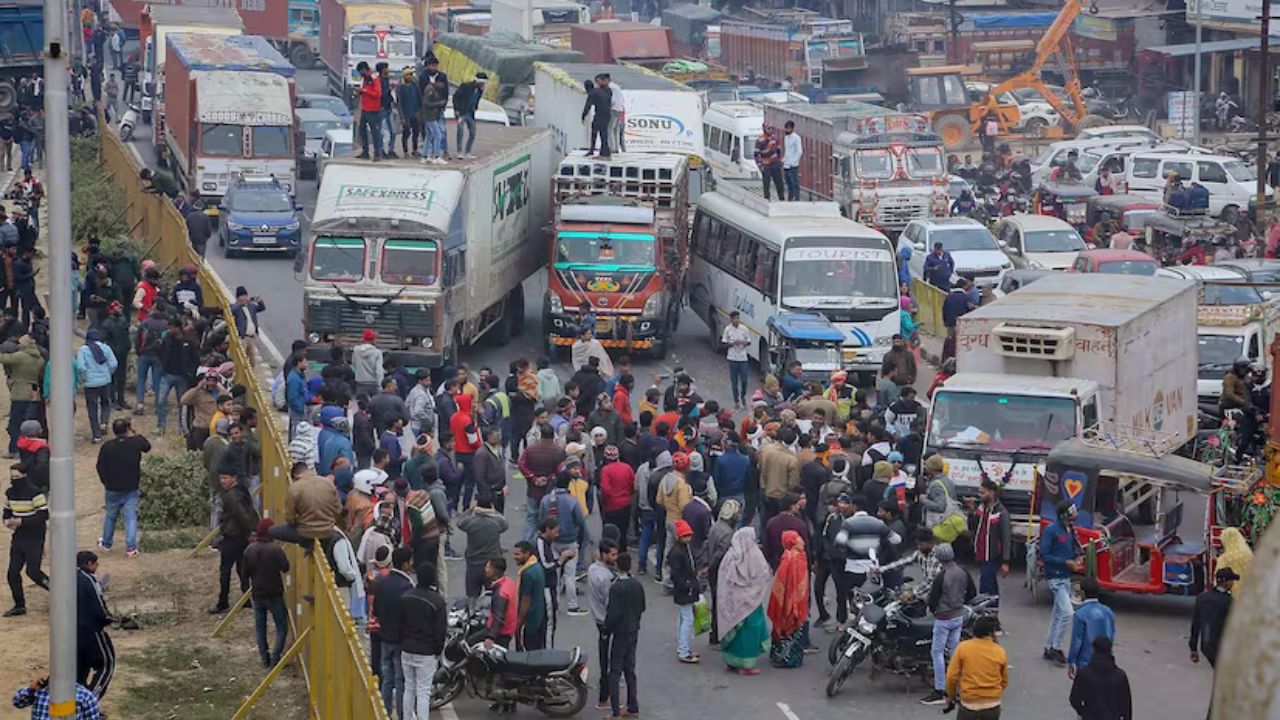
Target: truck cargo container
(1052, 360)
(159, 23)
(303, 45)
(544, 21)
(796, 45)
(268, 18)
(372, 31)
(884, 168)
(613, 42)
(429, 257)
(22, 30)
(662, 115)
(620, 245)
(230, 106)
(507, 60)
(690, 25)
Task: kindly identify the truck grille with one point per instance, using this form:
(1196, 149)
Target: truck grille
(975, 274)
(894, 211)
(394, 323)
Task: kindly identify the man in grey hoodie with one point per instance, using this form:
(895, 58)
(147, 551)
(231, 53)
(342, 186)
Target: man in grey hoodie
(940, 491)
(653, 528)
(483, 527)
(952, 588)
(366, 362)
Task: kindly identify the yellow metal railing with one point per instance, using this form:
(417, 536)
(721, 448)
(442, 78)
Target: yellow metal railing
(340, 683)
(929, 298)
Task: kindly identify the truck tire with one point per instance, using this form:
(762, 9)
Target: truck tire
(515, 312)
(301, 57)
(954, 131)
(766, 359)
(8, 96)
(713, 330)
(454, 352)
(1092, 121)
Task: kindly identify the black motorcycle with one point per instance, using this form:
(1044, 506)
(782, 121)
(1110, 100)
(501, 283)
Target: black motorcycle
(898, 637)
(552, 681)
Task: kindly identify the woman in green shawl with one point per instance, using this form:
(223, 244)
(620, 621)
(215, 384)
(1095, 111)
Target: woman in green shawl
(742, 587)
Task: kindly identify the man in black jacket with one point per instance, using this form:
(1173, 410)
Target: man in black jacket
(622, 621)
(120, 471)
(266, 564)
(424, 622)
(237, 521)
(600, 102)
(466, 100)
(179, 359)
(1210, 617)
(387, 598)
(26, 514)
(94, 651)
(1101, 690)
(684, 583)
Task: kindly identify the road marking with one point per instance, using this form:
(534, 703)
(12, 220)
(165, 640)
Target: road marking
(448, 713)
(786, 710)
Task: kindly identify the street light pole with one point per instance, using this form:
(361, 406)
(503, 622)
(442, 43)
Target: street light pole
(1264, 96)
(62, 481)
(1199, 34)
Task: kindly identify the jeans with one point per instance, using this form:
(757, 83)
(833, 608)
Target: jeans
(465, 462)
(469, 122)
(530, 520)
(411, 128)
(147, 365)
(28, 148)
(385, 117)
(98, 401)
(418, 672)
(295, 418)
(280, 616)
(772, 173)
(18, 410)
(988, 579)
(651, 525)
(117, 383)
(684, 630)
(1060, 622)
(670, 543)
(946, 635)
(392, 678)
(620, 519)
(792, 176)
(370, 125)
(568, 575)
(437, 141)
(117, 502)
(738, 380)
(622, 662)
(178, 384)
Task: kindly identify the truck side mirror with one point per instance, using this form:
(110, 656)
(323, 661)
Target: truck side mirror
(842, 161)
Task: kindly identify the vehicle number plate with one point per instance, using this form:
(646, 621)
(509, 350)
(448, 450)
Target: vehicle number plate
(263, 240)
(603, 325)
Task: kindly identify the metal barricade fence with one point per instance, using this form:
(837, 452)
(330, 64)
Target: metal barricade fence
(929, 299)
(340, 683)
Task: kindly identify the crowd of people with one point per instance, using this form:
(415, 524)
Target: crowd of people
(414, 103)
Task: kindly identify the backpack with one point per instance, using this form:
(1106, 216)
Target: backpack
(954, 523)
(279, 401)
(345, 567)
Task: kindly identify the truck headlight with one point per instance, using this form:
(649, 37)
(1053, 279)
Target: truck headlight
(556, 306)
(209, 186)
(652, 306)
(313, 338)
(427, 343)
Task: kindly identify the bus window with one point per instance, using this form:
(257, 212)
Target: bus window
(711, 248)
(728, 256)
(766, 270)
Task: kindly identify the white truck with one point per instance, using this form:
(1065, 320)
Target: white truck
(1060, 356)
(431, 258)
(371, 31)
(1225, 333)
(662, 115)
(158, 23)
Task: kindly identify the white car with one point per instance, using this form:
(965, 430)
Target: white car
(312, 125)
(1039, 241)
(1034, 112)
(974, 251)
(335, 143)
(1120, 132)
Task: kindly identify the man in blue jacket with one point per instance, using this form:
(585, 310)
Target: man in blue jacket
(1092, 620)
(1058, 555)
(295, 392)
(730, 472)
(561, 505)
(938, 267)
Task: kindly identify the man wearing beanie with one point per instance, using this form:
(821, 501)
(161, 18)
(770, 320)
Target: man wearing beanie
(265, 564)
(685, 588)
(366, 362)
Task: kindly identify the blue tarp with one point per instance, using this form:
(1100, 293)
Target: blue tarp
(997, 21)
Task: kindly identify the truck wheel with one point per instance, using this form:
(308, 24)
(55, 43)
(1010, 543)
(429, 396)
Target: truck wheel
(501, 330)
(954, 131)
(8, 96)
(454, 352)
(713, 329)
(766, 361)
(301, 57)
(659, 348)
(515, 312)
(1091, 121)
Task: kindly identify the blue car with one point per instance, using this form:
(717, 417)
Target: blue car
(259, 216)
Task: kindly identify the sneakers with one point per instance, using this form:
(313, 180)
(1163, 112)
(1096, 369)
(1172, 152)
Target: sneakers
(17, 611)
(102, 547)
(934, 698)
(642, 571)
(219, 609)
(1055, 656)
(363, 156)
(578, 612)
(131, 552)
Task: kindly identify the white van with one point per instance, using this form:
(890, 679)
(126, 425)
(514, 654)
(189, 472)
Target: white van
(730, 130)
(1093, 155)
(1232, 184)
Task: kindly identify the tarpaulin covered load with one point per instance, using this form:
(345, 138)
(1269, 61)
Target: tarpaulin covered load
(506, 58)
(994, 21)
(689, 22)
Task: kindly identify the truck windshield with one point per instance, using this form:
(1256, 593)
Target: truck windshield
(409, 262)
(1219, 350)
(996, 421)
(364, 44)
(604, 250)
(874, 164)
(923, 163)
(398, 46)
(818, 271)
(225, 140)
(335, 259)
(271, 141)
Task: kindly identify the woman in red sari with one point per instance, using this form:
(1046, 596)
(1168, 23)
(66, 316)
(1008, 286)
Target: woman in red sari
(789, 604)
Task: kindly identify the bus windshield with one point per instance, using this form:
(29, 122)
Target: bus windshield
(336, 259)
(604, 251)
(995, 421)
(409, 262)
(819, 271)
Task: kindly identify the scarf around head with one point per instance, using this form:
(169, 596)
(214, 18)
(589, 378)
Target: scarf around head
(743, 582)
(93, 340)
(789, 599)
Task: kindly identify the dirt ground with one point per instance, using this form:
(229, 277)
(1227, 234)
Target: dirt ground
(171, 667)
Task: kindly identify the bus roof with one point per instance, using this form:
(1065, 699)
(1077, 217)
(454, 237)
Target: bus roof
(777, 229)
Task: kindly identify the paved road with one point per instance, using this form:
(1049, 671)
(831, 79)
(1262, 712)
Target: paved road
(1152, 631)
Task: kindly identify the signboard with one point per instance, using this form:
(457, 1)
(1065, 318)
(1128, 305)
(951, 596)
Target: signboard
(837, 254)
(1236, 11)
(664, 121)
(1182, 114)
(511, 216)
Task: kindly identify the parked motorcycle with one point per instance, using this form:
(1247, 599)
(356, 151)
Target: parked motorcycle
(552, 681)
(898, 637)
(128, 121)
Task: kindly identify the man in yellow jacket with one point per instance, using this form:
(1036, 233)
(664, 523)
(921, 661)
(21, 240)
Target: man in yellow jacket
(978, 674)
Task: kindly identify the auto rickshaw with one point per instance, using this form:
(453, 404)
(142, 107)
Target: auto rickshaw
(1130, 212)
(1135, 546)
(809, 338)
(1166, 236)
(1065, 200)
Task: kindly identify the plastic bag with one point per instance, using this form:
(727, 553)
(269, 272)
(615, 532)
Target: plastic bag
(701, 617)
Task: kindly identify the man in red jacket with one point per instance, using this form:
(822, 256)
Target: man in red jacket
(370, 112)
(617, 490)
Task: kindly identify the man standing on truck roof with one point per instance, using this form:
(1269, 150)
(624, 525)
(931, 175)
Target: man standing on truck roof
(388, 105)
(792, 151)
(769, 159)
(466, 100)
(369, 122)
(617, 117)
(600, 101)
(431, 72)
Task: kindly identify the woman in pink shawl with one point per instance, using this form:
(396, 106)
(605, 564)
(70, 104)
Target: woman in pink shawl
(742, 587)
